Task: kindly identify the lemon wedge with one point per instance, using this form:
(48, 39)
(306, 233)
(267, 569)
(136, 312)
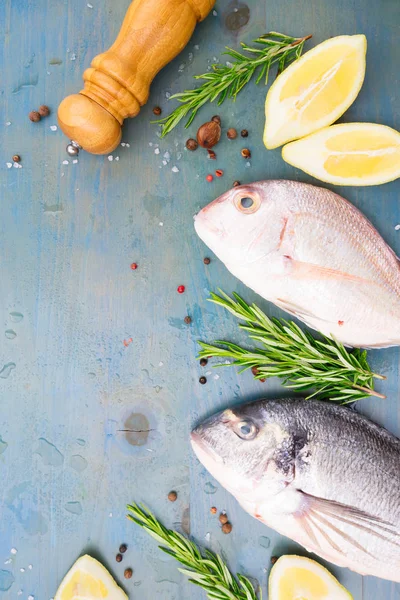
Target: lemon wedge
(89, 580)
(299, 578)
(348, 154)
(315, 90)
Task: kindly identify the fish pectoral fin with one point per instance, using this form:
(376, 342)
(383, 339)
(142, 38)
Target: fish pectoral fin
(330, 517)
(293, 309)
(304, 270)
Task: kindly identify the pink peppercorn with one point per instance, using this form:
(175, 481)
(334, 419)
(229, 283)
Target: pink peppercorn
(219, 172)
(134, 266)
(209, 178)
(180, 289)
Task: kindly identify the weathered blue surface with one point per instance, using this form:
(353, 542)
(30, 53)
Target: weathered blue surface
(69, 298)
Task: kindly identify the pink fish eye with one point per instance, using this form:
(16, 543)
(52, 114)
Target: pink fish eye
(247, 204)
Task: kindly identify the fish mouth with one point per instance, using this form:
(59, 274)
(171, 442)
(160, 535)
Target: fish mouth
(203, 451)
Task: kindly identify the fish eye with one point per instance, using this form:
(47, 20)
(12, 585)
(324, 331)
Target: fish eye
(247, 204)
(246, 430)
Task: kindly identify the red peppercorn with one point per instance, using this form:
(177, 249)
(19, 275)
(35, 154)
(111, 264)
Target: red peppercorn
(180, 289)
(219, 172)
(134, 266)
(209, 177)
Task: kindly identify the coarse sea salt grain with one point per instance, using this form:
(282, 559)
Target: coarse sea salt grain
(8, 561)
(9, 165)
(175, 169)
(164, 162)
(89, 5)
(216, 376)
(160, 364)
(19, 593)
(110, 158)
(75, 161)
(30, 597)
(30, 567)
(215, 13)
(128, 145)
(117, 158)
(110, 515)
(65, 162)
(396, 228)
(157, 151)
(8, 123)
(13, 551)
(73, 56)
(167, 155)
(161, 223)
(53, 127)
(22, 570)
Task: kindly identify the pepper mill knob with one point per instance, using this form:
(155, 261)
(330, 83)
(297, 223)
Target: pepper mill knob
(118, 81)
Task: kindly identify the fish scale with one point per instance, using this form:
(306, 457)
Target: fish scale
(313, 254)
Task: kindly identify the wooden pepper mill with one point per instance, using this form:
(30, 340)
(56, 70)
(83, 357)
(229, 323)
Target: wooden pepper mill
(118, 81)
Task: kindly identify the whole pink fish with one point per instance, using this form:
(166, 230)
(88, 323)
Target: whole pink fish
(313, 254)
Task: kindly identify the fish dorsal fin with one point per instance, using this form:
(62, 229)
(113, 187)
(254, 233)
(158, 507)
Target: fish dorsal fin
(324, 521)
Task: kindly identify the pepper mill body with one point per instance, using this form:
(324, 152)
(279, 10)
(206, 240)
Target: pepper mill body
(118, 81)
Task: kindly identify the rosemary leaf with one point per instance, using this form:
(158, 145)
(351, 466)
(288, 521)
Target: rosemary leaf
(205, 569)
(324, 367)
(226, 81)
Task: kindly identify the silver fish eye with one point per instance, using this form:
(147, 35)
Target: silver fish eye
(246, 430)
(246, 202)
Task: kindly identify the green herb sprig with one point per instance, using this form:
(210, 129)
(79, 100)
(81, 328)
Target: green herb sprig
(226, 81)
(302, 361)
(204, 568)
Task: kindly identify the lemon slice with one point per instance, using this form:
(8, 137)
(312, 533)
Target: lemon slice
(299, 578)
(348, 154)
(89, 580)
(315, 90)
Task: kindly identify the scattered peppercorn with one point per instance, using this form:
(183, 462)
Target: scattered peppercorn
(223, 518)
(209, 134)
(192, 144)
(217, 119)
(206, 260)
(213, 510)
(226, 528)
(128, 573)
(187, 320)
(255, 371)
(172, 496)
(262, 379)
(16, 158)
(246, 153)
(209, 177)
(180, 289)
(118, 558)
(219, 172)
(273, 559)
(202, 380)
(244, 133)
(211, 154)
(231, 133)
(203, 362)
(34, 116)
(44, 110)
(236, 183)
(134, 266)
(157, 110)
(123, 548)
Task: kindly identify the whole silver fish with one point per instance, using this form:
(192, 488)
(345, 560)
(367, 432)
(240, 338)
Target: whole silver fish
(313, 254)
(318, 473)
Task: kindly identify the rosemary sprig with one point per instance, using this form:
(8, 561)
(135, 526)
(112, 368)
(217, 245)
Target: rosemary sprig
(226, 81)
(206, 569)
(302, 361)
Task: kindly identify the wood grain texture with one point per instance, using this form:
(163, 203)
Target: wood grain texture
(68, 235)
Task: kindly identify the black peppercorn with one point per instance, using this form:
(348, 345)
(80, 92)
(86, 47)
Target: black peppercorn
(244, 133)
(123, 548)
(157, 110)
(118, 558)
(206, 260)
(203, 362)
(192, 144)
(202, 380)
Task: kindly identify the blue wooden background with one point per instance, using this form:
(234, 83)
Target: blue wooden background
(69, 299)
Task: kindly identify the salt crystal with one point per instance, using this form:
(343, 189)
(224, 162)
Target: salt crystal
(30, 567)
(160, 364)
(89, 5)
(248, 164)
(229, 64)
(30, 597)
(215, 58)
(53, 127)
(190, 56)
(216, 376)
(208, 536)
(65, 162)
(13, 551)
(8, 561)
(149, 450)
(73, 56)
(215, 13)
(22, 570)
(161, 223)
(19, 166)
(68, 50)
(123, 144)
(9, 165)
(179, 155)
(128, 145)
(19, 593)
(117, 158)
(396, 228)
(15, 165)
(74, 162)
(150, 144)
(164, 162)
(8, 123)
(110, 158)
(167, 94)
(196, 47)
(62, 174)
(167, 155)
(181, 68)
(175, 169)
(48, 72)
(208, 372)
(157, 151)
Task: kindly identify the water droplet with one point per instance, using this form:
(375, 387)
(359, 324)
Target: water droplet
(16, 317)
(10, 334)
(50, 455)
(78, 463)
(264, 541)
(3, 445)
(74, 508)
(81, 442)
(6, 370)
(92, 375)
(30, 82)
(6, 580)
(209, 488)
